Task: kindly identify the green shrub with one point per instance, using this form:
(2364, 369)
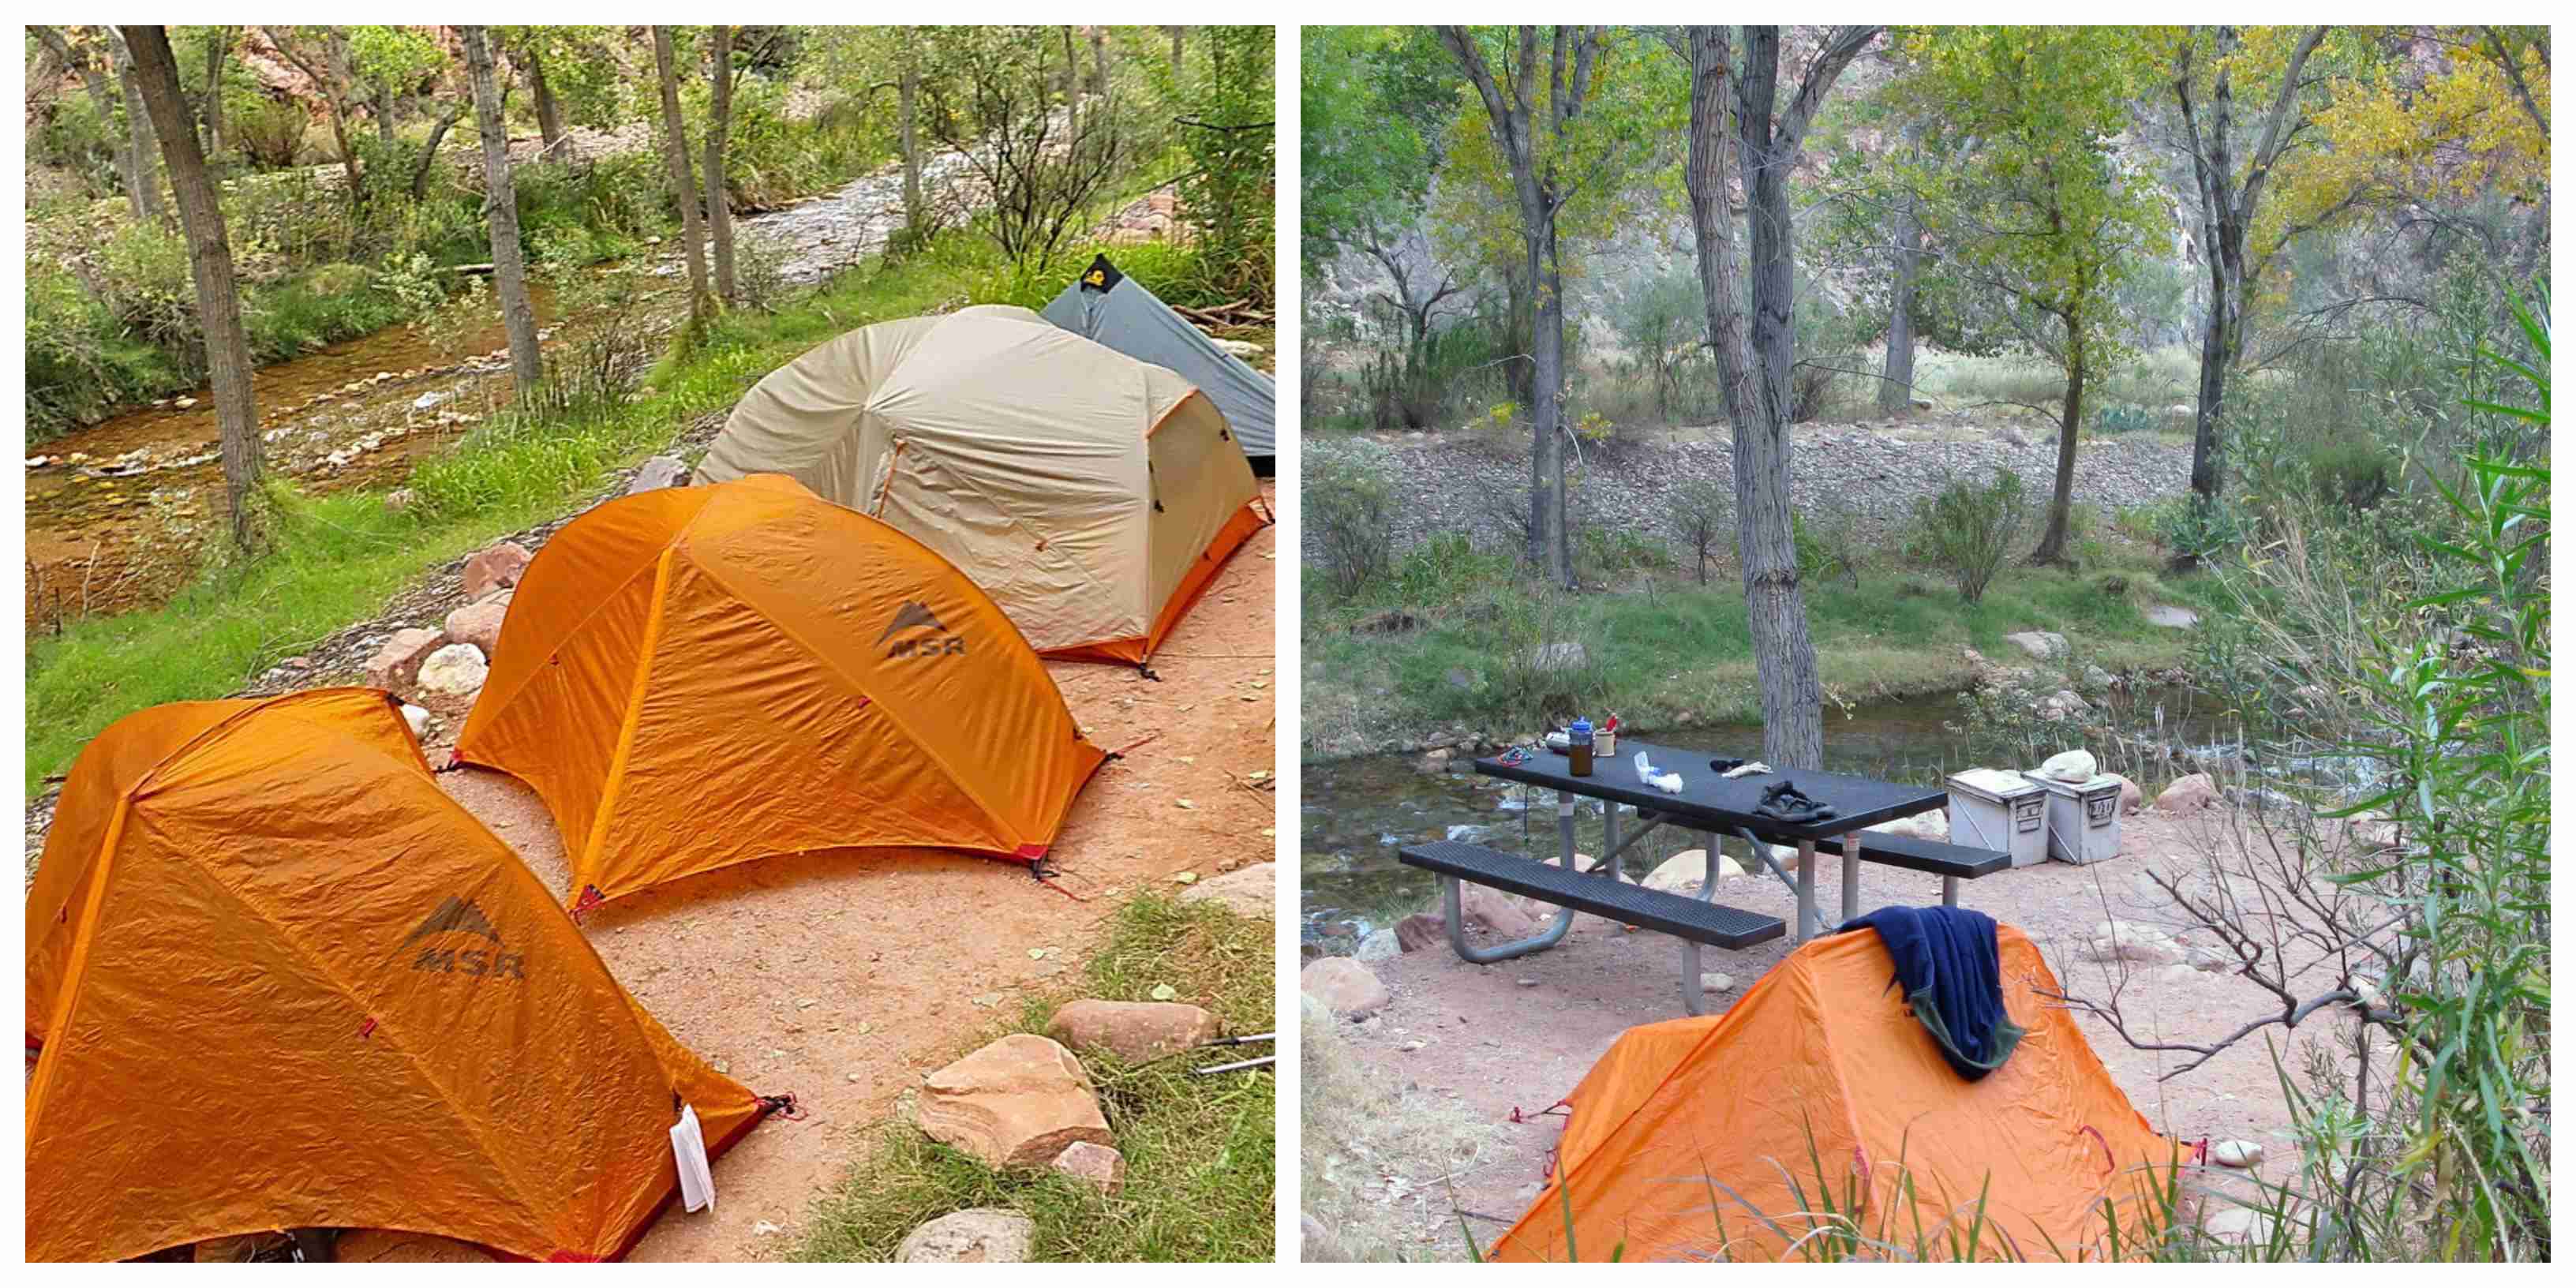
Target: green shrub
(1349, 500)
(2122, 418)
(2351, 469)
(1828, 549)
(1969, 531)
(2197, 530)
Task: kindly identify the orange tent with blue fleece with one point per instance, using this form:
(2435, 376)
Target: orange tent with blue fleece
(277, 979)
(697, 677)
(1703, 1138)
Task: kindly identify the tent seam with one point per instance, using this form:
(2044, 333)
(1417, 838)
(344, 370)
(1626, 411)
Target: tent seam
(586, 866)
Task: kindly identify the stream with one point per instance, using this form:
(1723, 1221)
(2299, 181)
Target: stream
(103, 501)
(1355, 813)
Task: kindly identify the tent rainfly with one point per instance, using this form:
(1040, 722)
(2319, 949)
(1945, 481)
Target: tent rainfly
(1116, 310)
(697, 677)
(277, 979)
(1091, 495)
(1702, 1137)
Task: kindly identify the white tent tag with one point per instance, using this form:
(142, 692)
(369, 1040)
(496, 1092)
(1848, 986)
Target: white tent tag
(689, 1150)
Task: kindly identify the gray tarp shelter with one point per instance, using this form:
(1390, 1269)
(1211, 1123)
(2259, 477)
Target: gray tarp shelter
(1108, 307)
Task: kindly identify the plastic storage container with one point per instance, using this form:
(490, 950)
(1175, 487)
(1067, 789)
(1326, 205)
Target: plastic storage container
(2083, 818)
(1996, 810)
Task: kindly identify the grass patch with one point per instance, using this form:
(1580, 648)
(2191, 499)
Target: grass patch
(1665, 652)
(336, 559)
(1200, 1150)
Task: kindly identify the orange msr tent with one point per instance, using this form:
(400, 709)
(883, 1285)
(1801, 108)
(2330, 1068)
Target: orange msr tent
(697, 677)
(1684, 1139)
(276, 979)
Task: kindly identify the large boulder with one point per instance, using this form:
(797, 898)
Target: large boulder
(2188, 794)
(494, 567)
(1344, 987)
(2075, 766)
(976, 1234)
(1379, 946)
(1421, 930)
(2042, 645)
(1502, 915)
(1685, 872)
(2131, 941)
(396, 664)
(658, 473)
(1014, 1103)
(455, 670)
(2132, 796)
(1934, 826)
(479, 623)
(1133, 1031)
(1252, 891)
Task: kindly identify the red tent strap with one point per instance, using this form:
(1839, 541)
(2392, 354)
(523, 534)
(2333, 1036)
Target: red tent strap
(1121, 753)
(590, 898)
(2109, 1161)
(1566, 1105)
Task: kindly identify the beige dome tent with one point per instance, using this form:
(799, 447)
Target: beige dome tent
(1091, 495)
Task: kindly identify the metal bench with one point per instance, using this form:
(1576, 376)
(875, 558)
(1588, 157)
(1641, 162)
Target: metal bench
(1952, 863)
(1694, 921)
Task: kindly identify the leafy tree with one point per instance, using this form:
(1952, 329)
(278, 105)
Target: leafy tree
(323, 55)
(993, 105)
(1564, 123)
(2044, 211)
(2207, 66)
(1735, 105)
(719, 125)
(1225, 117)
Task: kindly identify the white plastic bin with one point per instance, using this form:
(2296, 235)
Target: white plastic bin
(2083, 818)
(1996, 810)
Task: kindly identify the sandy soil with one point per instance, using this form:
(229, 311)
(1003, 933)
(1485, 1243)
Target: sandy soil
(1518, 1035)
(844, 980)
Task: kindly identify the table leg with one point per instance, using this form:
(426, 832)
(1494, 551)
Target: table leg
(1708, 888)
(1949, 892)
(1851, 875)
(1693, 1000)
(1610, 856)
(1806, 890)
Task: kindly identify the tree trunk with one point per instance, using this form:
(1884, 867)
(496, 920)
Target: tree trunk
(1896, 387)
(1176, 33)
(384, 112)
(1099, 60)
(421, 166)
(549, 114)
(210, 262)
(143, 176)
(907, 125)
(509, 273)
(1752, 377)
(675, 151)
(218, 42)
(1548, 547)
(719, 123)
(2052, 543)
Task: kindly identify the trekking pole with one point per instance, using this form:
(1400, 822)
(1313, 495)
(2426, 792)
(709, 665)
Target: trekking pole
(1239, 1064)
(1245, 1040)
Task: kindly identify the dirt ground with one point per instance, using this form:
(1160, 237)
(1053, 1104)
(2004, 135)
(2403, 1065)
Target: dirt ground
(845, 980)
(1518, 1035)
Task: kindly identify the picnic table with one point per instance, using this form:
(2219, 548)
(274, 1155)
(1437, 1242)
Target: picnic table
(1713, 806)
